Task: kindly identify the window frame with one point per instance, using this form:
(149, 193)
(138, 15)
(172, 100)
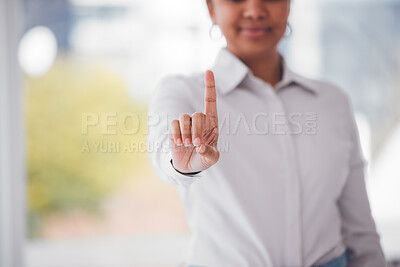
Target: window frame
(12, 146)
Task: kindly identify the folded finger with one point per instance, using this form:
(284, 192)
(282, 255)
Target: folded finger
(185, 125)
(198, 120)
(175, 132)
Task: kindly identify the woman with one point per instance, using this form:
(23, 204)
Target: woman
(288, 188)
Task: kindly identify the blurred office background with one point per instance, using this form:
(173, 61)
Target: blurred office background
(92, 198)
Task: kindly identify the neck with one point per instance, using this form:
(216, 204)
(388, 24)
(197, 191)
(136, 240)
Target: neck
(266, 67)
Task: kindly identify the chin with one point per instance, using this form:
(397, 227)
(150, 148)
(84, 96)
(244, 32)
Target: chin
(258, 49)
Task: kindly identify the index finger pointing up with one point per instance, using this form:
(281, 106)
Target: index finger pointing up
(210, 97)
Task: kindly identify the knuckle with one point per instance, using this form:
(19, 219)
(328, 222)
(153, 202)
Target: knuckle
(185, 120)
(174, 126)
(197, 115)
(184, 117)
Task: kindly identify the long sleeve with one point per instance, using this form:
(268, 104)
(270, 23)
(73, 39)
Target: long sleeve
(171, 99)
(358, 227)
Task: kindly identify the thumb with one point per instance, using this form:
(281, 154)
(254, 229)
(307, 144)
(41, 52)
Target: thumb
(211, 153)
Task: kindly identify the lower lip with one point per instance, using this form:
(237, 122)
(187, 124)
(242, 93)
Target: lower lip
(256, 33)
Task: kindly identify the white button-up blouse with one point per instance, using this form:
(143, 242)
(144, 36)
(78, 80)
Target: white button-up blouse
(289, 186)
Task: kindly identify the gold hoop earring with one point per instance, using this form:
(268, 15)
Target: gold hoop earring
(212, 32)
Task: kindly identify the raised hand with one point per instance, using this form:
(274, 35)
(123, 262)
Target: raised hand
(193, 138)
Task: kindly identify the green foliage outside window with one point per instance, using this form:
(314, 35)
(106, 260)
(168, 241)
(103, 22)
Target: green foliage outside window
(62, 174)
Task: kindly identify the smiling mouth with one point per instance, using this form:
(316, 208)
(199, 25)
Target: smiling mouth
(256, 32)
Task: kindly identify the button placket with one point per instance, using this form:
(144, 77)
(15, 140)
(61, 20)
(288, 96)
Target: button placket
(293, 234)
(294, 225)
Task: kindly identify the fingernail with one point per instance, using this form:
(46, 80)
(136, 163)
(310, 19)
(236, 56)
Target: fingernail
(179, 142)
(201, 149)
(197, 141)
(187, 142)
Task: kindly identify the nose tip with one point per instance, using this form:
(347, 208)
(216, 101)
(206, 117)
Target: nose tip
(255, 10)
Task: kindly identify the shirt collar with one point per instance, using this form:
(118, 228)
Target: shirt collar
(230, 71)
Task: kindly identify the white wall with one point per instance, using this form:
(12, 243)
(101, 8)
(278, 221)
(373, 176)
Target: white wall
(12, 156)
